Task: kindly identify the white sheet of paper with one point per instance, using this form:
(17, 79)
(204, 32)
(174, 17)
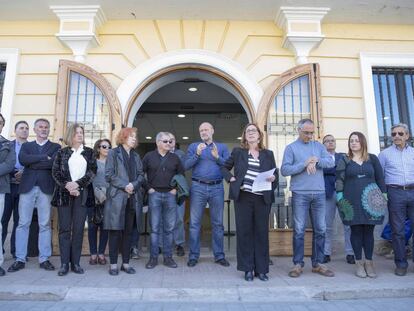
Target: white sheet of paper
(260, 183)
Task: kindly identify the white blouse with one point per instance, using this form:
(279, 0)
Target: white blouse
(77, 164)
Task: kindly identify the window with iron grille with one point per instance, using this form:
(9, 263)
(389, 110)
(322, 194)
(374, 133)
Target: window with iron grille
(394, 100)
(2, 78)
(88, 106)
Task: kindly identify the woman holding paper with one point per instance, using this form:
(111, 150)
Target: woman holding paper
(252, 208)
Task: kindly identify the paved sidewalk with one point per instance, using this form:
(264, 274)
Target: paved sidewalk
(206, 282)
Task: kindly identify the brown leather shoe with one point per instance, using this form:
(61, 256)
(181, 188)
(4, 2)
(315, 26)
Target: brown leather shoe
(323, 270)
(296, 271)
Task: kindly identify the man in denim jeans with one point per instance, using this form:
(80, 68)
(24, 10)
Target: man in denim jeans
(304, 160)
(160, 166)
(205, 158)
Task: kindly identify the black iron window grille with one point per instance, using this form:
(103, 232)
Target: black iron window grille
(2, 78)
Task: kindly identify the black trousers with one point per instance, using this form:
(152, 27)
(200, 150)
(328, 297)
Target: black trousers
(362, 238)
(252, 230)
(121, 239)
(71, 227)
(11, 207)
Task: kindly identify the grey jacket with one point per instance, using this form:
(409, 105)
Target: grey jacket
(116, 197)
(7, 163)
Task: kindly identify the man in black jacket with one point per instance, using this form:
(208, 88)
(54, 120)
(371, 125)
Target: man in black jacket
(160, 166)
(36, 189)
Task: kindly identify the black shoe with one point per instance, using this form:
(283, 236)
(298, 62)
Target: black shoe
(128, 270)
(180, 251)
(47, 265)
(77, 269)
(248, 276)
(169, 262)
(113, 271)
(261, 276)
(2, 272)
(350, 259)
(192, 262)
(135, 253)
(152, 263)
(159, 250)
(400, 271)
(64, 269)
(223, 262)
(270, 262)
(16, 266)
(326, 259)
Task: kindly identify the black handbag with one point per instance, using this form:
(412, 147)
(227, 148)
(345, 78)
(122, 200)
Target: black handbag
(98, 214)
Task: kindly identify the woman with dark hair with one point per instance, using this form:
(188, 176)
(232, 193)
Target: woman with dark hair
(251, 208)
(73, 170)
(361, 199)
(123, 172)
(95, 212)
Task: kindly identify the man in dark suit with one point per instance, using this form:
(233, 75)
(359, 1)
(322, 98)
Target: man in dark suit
(11, 205)
(36, 189)
(329, 175)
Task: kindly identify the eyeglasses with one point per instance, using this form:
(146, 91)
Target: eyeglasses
(307, 133)
(251, 131)
(329, 141)
(105, 147)
(393, 134)
(167, 141)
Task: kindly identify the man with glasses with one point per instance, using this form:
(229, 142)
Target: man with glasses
(304, 160)
(161, 166)
(205, 159)
(329, 175)
(398, 164)
(7, 162)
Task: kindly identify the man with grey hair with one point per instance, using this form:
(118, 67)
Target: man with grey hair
(398, 164)
(304, 160)
(161, 166)
(36, 189)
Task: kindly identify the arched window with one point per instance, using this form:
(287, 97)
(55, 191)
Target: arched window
(86, 97)
(292, 97)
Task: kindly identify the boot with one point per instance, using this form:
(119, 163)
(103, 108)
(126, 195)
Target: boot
(369, 268)
(360, 269)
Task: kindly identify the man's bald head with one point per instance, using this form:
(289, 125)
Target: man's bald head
(206, 132)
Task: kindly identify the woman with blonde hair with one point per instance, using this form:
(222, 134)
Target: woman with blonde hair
(361, 198)
(73, 170)
(123, 172)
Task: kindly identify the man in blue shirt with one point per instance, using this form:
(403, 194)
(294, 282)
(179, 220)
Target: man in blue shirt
(205, 159)
(398, 164)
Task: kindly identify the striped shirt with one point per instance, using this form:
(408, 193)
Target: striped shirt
(398, 165)
(253, 169)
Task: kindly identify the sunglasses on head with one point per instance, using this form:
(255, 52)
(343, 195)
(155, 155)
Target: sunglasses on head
(399, 134)
(167, 141)
(105, 147)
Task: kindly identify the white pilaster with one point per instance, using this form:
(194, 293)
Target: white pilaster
(302, 27)
(79, 26)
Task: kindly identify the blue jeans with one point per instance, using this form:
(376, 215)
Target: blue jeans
(93, 235)
(162, 205)
(200, 195)
(1, 214)
(27, 203)
(330, 219)
(400, 206)
(314, 204)
(178, 233)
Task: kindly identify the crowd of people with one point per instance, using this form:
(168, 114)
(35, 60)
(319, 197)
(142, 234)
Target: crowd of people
(109, 188)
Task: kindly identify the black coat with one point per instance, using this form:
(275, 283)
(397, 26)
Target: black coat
(116, 197)
(37, 166)
(239, 160)
(61, 175)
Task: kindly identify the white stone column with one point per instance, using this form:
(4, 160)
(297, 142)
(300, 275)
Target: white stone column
(302, 27)
(79, 26)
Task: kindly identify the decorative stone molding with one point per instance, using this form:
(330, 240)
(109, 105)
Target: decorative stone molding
(302, 27)
(79, 26)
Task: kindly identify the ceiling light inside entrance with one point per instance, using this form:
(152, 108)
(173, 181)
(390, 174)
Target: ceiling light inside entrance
(181, 115)
(185, 137)
(239, 138)
(193, 89)
(148, 137)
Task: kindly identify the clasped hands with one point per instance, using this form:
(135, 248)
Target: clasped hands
(310, 165)
(214, 151)
(73, 188)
